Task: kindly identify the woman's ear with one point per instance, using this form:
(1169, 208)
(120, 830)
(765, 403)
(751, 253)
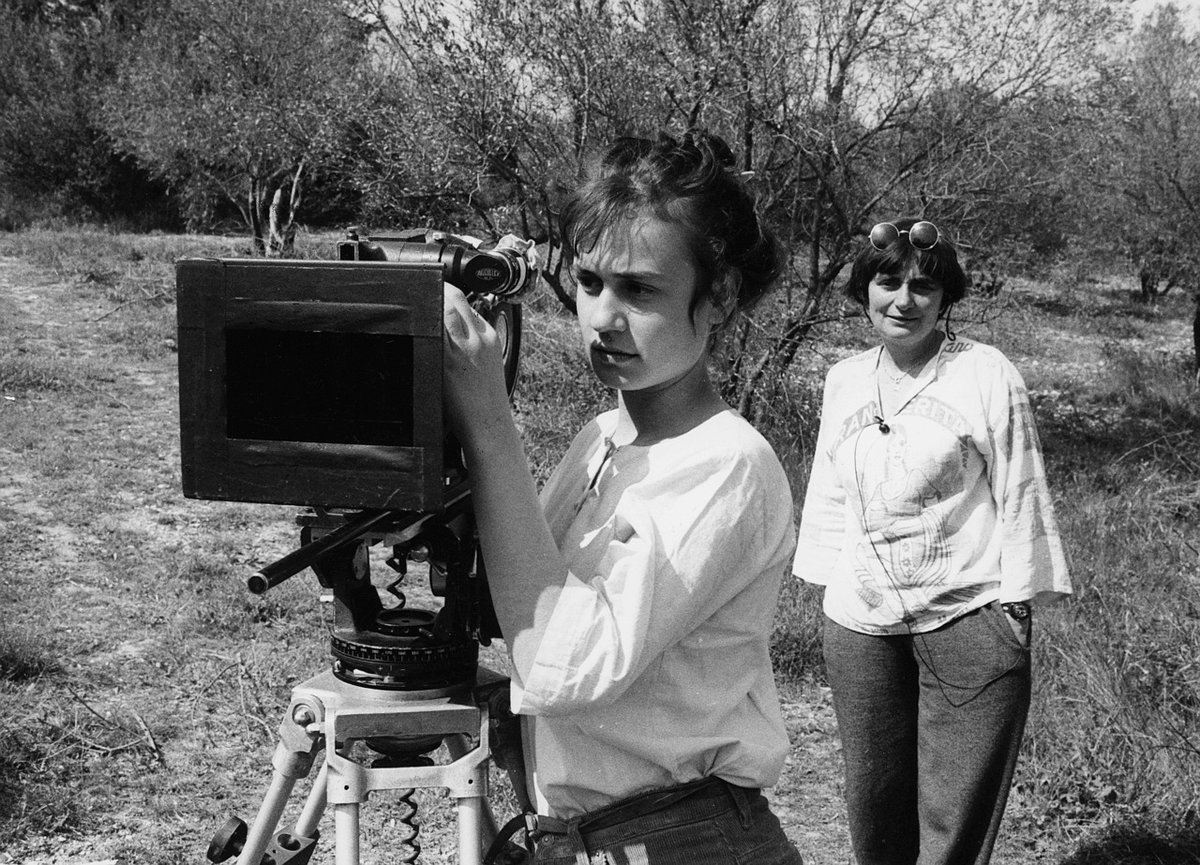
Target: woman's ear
(724, 296)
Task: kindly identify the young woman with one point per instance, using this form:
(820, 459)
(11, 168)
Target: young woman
(636, 595)
(928, 520)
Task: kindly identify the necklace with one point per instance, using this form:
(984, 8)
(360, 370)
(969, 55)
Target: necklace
(911, 370)
(897, 378)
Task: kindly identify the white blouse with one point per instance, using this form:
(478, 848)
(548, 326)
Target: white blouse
(655, 668)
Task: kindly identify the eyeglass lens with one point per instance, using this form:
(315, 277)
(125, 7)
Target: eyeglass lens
(883, 235)
(922, 235)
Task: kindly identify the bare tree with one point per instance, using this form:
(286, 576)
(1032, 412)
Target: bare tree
(844, 110)
(1153, 166)
(902, 116)
(507, 102)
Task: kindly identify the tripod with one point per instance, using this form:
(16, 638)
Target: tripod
(400, 726)
(403, 683)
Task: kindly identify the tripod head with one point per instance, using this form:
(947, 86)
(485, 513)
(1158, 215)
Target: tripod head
(397, 648)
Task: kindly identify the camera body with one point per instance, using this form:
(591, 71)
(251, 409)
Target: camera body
(319, 382)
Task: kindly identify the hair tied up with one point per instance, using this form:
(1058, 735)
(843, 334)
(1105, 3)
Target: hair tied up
(692, 181)
(709, 147)
(626, 152)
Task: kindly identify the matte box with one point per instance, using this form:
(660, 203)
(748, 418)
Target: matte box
(314, 383)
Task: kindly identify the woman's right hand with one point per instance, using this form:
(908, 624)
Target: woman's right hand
(474, 392)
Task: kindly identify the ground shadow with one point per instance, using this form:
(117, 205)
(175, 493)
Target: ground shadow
(1137, 844)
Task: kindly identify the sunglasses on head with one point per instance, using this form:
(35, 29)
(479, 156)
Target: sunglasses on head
(922, 235)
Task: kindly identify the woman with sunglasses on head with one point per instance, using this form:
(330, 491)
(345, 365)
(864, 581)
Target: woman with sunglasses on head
(928, 521)
(636, 596)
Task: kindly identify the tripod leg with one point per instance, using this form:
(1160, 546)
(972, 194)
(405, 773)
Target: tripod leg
(345, 825)
(476, 825)
(456, 746)
(289, 767)
(470, 831)
(314, 806)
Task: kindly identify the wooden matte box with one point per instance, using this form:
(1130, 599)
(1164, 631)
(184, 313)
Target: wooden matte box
(311, 382)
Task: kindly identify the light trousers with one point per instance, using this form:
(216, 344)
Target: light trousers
(931, 726)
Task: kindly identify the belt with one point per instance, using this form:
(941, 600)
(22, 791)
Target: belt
(577, 829)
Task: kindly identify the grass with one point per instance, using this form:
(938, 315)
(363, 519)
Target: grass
(23, 657)
(1115, 736)
(135, 670)
(23, 373)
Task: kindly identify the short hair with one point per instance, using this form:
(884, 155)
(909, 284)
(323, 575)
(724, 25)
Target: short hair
(691, 183)
(939, 262)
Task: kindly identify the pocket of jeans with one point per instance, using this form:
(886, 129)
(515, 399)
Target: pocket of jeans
(999, 618)
(682, 843)
(762, 842)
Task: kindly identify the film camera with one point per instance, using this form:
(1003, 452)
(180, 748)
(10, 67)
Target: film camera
(318, 383)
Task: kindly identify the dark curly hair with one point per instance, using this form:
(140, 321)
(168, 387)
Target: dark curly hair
(940, 263)
(692, 183)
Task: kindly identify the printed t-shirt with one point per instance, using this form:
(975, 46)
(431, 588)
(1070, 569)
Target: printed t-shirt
(945, 512)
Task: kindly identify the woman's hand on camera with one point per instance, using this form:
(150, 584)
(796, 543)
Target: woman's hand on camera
(473, 389)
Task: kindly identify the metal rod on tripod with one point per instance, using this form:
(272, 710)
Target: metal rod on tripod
(345, 828)
(314, 806)
(470, 830)
(283, 779)
(485, 830)
(300, 558)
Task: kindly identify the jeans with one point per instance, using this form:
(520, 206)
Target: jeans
(931, 726)
(737, 828)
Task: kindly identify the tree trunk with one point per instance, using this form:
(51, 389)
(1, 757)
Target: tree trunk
(552, 272)
(282, 217)
(762, 385)
(1148, 279)
(1196, 336)
(256, 216)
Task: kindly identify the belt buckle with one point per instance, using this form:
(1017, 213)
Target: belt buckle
(540, 824)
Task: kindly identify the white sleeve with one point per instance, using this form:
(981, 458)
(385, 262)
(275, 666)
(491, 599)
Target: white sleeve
(823, 520)
(1032, 565)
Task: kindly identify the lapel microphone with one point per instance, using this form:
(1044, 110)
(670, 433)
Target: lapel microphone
(883, 427)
